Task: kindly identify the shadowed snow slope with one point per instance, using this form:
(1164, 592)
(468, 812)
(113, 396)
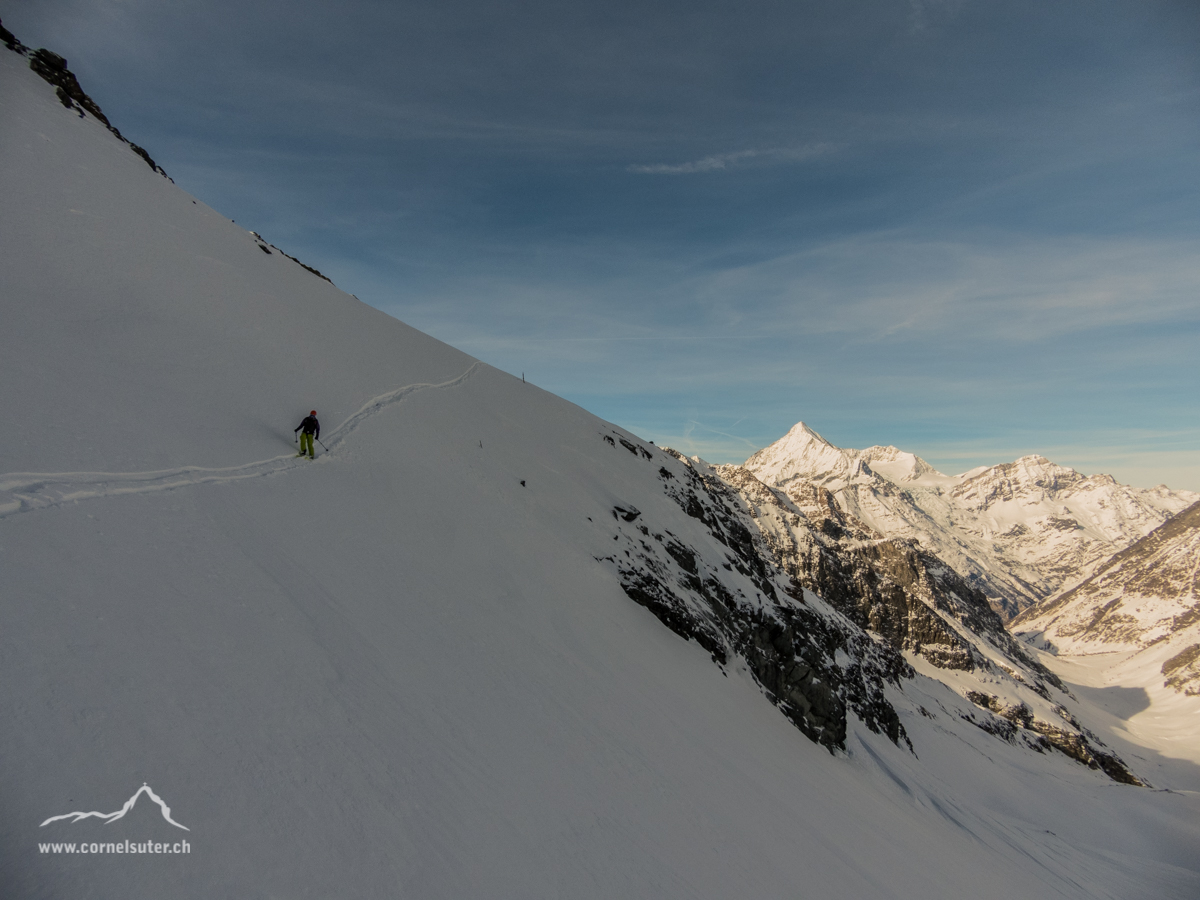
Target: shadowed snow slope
(400, 670)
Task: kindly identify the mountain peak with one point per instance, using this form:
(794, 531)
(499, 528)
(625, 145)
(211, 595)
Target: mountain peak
(801, 453)
(1037, 461)
(801, 435)
(1031, 471)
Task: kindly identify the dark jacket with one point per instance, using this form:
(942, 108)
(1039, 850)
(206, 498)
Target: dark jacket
(310, 426)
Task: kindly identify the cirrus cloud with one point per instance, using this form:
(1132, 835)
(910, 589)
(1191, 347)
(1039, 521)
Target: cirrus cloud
(720, 161)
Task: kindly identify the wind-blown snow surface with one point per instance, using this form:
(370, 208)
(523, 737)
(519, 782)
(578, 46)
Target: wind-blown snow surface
(397, 671)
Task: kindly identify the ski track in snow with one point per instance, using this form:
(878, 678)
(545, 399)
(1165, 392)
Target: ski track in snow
(27, 491)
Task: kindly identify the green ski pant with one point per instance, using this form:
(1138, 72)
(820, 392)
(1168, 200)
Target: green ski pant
(306, 445)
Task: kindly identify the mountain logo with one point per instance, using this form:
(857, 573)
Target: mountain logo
(111, 817)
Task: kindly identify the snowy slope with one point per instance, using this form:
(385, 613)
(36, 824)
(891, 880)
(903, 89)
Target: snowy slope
(1019, 531)
(1139, 615)
(399, 670)
(184, 339)
(1142, 596)
(1130, 634)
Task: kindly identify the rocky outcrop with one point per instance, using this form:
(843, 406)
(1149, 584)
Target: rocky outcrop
(890, 587)
(52, 69)
(10, 41)
(1077, 743)
(1182, 671)
(815, 665)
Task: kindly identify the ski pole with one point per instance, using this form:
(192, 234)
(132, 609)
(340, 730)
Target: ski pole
(323, 447)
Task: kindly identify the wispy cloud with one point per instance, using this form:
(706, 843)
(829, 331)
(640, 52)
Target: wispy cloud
(922, 11)
(722, 161)
(1002, 287)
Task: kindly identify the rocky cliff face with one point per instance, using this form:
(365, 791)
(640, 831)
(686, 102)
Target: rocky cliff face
(830, 619)
(723, 593)
(1018, 532)
(888, 586)
(1143, 599)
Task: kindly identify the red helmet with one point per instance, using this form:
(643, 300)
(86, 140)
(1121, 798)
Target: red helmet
(313, 413)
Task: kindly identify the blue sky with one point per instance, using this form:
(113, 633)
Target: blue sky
(965, 228)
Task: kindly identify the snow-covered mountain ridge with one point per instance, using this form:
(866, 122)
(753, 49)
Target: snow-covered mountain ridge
(1145, 599)
(1017, 531)
(912, 603)
(433, 662)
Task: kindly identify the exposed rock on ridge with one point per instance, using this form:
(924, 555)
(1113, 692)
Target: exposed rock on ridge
(1073, 742)
(813, 663)
(53, 69)
(1182, 671)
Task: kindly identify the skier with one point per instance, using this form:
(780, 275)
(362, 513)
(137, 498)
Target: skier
(308, 429)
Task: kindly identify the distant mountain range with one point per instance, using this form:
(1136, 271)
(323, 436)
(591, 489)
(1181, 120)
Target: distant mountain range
(1018, 531)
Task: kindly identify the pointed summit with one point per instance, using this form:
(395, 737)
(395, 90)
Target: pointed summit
(796, 442)
(801, 453)
(801, 432)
